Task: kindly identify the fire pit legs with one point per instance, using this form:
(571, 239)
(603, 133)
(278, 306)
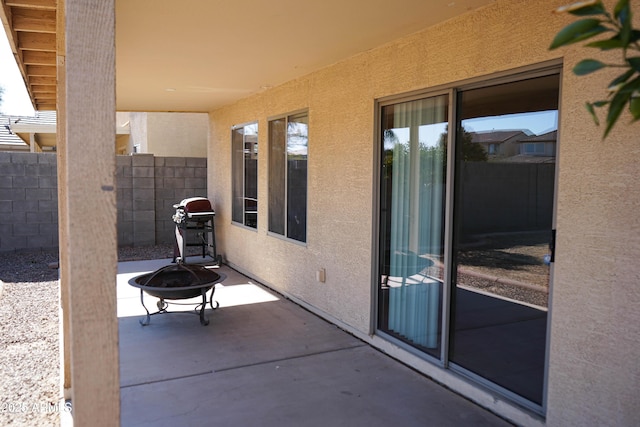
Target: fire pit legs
(163, 305)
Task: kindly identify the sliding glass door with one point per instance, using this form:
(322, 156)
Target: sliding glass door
(503, 222)
(473, 297)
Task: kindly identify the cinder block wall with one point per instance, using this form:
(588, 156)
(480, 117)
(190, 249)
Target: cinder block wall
(176, 178)
(28, 201)
(147, 189)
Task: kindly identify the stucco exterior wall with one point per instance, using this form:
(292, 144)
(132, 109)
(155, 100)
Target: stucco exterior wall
(595, 338)
(138, 132)
(177, 134)
(169, 134)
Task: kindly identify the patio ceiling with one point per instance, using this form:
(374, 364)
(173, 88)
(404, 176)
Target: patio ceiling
(196, 55)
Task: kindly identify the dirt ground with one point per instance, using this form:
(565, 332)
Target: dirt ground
(511, 258)
(517, 257)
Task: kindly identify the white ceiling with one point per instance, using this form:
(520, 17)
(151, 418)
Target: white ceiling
(197, 55)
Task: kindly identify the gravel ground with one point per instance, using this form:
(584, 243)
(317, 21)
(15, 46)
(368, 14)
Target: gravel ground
(29, 334)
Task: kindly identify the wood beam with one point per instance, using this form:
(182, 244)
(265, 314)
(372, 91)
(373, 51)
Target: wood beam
(45, 97)
(46, 107)
(37, 41)
(34, 57)
(33, 4)
(38, 21)
(43, 88)
(90, 236)
(41, 70)
(42, 80)
(34, 144)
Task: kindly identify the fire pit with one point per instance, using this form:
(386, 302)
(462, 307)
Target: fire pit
(178, 282)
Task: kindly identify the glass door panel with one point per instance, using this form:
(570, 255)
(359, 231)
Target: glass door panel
(505, 180)
(414, 137)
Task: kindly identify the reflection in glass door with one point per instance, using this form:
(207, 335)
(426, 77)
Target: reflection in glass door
(505, 175)
(412, 221)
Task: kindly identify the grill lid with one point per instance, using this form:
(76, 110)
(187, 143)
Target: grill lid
(195, 208)
(195, 205)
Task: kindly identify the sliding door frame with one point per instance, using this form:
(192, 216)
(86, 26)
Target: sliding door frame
(553, 67)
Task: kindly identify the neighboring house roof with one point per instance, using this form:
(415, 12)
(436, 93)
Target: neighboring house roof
(497, 136)
(18, 129)
(40, 118)
(545, 137)
(8, 139)
(42, 125)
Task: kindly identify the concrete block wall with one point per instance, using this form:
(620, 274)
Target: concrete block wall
(28, 201)
(176, 178)
(147, 189)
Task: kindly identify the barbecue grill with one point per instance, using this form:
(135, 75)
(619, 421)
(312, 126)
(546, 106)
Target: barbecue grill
(194, 227)
(194, 216)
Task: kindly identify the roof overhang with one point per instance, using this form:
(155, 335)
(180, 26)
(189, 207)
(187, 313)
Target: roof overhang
(198, 56)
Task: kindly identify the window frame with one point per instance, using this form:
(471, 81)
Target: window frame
(285, 174)
(552, 67)
(234, 220)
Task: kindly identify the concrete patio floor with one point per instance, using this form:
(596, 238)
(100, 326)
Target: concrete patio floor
(265, 361)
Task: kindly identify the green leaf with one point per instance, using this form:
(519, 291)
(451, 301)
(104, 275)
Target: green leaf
(589, 9)
(631, 87)
(634, 61)
(588, 66)
(623, 15)
(615, 108)
(593, 113)
(617, 82)
(600, 103)
(577, 31)
(620, 6)
(634, 107)
(612, 43)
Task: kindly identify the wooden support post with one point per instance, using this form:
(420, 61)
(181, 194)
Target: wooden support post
(34, 145)
(61, 158)
(89, 237)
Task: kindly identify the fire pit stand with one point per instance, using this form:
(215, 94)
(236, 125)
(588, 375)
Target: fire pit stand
(177, 282)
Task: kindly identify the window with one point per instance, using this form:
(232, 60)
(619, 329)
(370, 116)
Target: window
(288, 142)
(534, 148)
(244, 158)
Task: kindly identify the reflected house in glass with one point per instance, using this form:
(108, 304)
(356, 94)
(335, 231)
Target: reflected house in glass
(500, 143)
(540, 145)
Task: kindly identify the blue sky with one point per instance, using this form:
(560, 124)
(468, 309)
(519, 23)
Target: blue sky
(539, 122)
(15, 99)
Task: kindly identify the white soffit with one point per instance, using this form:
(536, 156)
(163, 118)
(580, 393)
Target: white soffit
(198, 55)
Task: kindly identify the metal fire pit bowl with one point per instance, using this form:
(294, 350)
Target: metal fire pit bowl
(177, 282)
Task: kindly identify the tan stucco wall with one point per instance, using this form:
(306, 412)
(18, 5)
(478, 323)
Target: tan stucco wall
(170, 134)
(595, 338)
(138, 132)
(177, 134)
